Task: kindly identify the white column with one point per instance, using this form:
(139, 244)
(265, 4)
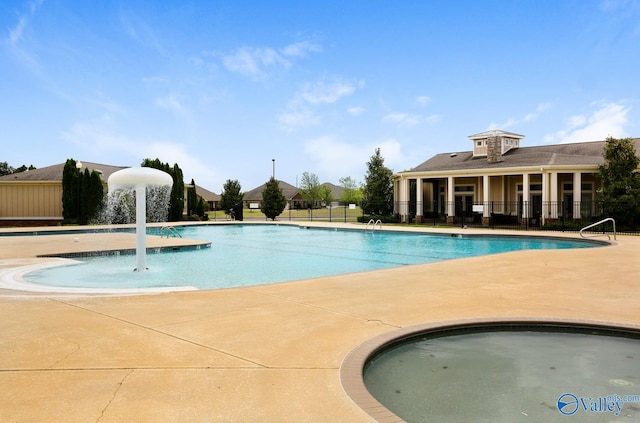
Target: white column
(577, 194)
(545, 196)
(403, 197)
(451, 209)
(419, 198)
(553, 195)
(525, 195)
(396, 195)
(404, 205)
(485, 196)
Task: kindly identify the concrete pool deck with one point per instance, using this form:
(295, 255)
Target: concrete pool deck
(268, 353)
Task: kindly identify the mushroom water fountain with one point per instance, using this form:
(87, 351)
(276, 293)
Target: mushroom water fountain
(138, 179)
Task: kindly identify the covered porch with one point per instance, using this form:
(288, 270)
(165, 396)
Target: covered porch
(531, 197)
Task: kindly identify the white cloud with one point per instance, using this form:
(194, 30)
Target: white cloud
(255, 62)
(96, 138)
(301, 109)
(171, 152)
(301, 49)
(433, 119)
(609, 119)
(155, 79)
(299, 117)
(402, 119)
(423, 100)
(326, 91)
(16, 32)
(408, 119)
(95, 135)
(355, 111)
(529, 117)
(336, 159)
(170, 102)
(252, 62)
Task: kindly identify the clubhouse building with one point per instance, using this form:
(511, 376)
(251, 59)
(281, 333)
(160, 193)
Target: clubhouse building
(499, 181)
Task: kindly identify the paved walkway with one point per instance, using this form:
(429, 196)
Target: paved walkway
(268, 353)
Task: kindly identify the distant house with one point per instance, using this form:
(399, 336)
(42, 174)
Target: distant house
(253, 198)
(34, 197)
(210, 197)
(336, 192)
(499, 179)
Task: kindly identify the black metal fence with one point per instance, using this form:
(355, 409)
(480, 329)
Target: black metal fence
(535, 215)
(518, 215)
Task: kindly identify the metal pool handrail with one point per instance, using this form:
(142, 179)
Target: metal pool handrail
(373, 224)
(168, 231)
(600, 223)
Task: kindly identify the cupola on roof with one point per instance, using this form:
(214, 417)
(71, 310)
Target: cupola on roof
(494, 143)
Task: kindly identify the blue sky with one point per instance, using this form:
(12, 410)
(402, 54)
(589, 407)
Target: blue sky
(222, 88)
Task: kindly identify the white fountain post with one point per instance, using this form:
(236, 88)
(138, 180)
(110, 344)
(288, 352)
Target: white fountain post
(139, 179)
(141, 227)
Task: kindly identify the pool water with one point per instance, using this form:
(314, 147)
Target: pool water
(517, 376)
(245, 255)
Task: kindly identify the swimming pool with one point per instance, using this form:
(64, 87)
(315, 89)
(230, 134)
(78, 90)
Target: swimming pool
(245, 255)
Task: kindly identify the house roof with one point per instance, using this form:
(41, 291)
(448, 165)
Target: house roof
(54, 172)
(206, 194)
(336, 190)
(288, 190)
(575, 154)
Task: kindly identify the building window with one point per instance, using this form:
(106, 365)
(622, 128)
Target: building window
(464, 188)
(532, 187)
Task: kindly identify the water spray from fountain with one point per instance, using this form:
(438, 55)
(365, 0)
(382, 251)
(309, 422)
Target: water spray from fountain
(139, 179)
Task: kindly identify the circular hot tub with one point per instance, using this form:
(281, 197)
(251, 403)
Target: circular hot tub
(499, 372)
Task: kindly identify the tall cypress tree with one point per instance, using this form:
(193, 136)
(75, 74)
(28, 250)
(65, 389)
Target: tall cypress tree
(177, 195)
(192, 199)
(92, 195)
(176, 199)
(70, 190)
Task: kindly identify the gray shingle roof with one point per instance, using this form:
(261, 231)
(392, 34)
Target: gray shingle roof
(575, 154)
(206, 194)
(288, 190)
(54, 172)
(336, 190)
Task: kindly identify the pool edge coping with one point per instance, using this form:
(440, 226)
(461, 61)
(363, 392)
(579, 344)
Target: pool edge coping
(352, 367)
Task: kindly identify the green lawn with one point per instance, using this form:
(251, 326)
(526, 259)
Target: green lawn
(335, 213)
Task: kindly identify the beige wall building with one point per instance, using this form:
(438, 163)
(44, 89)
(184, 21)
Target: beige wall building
(34, 197)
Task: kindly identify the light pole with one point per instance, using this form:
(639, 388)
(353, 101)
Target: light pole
(274, 168)
(79, 167)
